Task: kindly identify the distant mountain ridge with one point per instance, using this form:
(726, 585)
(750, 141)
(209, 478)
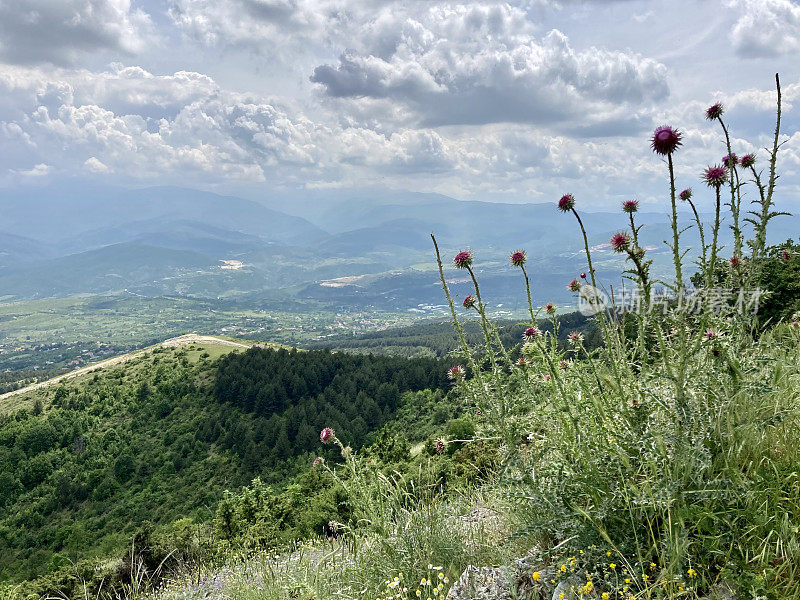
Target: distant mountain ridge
(47, 214)
(62, 240)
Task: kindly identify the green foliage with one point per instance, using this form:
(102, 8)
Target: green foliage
(779, 273)
(299, 393)
(159, 441)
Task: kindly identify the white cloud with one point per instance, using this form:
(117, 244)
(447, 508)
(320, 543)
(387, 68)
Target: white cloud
(125, 90)
(252, 23)
(481, 64)
(36, 171)
(95, 166)
(766, 28)
(61, 31)
(476, 99)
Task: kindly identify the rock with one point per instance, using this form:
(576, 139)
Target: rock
(722, 591)
(570, 583)
(482, 583)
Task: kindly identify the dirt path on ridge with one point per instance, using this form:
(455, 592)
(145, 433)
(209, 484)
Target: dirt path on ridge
(183, 340)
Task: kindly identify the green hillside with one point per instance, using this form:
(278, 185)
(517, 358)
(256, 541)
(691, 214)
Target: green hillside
(160, 437)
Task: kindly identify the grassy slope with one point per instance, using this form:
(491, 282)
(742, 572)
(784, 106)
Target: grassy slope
(27, 396)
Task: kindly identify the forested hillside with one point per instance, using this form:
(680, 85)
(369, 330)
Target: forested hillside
(160, 439)
(439, 339)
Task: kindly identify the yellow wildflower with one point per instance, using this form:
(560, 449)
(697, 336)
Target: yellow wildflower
(536, 576)
(691, 573)
(612, 566)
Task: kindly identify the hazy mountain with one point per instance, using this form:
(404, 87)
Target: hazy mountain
(178, 234)
(109, 269)
(61, 216)
(59, 241)
(15, 250)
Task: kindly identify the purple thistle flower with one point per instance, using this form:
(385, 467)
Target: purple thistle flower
(469, 301)
(575, 337)
(730, 158)
(518, 258)
(620, 241)
(550, 308)
(327, 435)
(686, 194)
(522, 361)
(317, 462)
(748, 160)
(735, 261)
(439, 446)
(463, 260)
(455, 373)
(531, 333)
(665, 140)
(574, 286)
(630, 206)
(711, 335)
(795, 324)
(583, 275)
(566, 203)
(714, 111)
(715, 176)
(563, 365)
(785, 255)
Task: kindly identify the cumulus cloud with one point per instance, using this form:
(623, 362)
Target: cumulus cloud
(95, 166)
(477, 99)
(481, 64)
(61, 31)
(766, 28)
(103, 122)
(36, 171)
(121, 89)
(253, 23)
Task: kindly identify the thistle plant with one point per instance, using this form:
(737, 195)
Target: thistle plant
(714, 177)
(730, 162)
(567, 204)
(665, 142)
(686, 196)
(638, 445)
(760, 218)
(518, 258)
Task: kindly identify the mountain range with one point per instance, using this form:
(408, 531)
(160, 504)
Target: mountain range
(374, 245)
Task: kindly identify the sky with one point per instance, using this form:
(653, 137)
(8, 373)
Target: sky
(516, 102)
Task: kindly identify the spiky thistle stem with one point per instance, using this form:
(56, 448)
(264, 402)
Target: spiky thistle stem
(676, 254)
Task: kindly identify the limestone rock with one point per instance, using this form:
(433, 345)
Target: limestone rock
(482, 583)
